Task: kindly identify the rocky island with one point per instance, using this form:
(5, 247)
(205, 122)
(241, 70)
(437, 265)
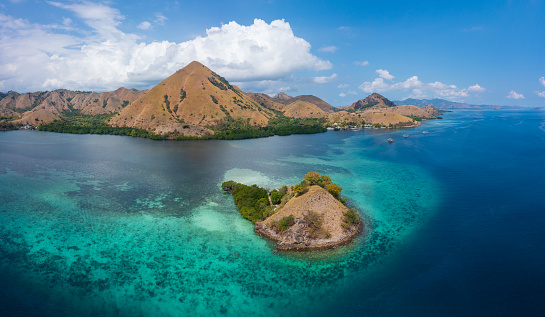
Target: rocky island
(311, 215)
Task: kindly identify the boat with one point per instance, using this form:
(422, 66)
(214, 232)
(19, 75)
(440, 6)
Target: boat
(390, 140)
(425, 132)
(405, 135)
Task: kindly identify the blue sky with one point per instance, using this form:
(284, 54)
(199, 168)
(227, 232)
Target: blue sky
(480, 52)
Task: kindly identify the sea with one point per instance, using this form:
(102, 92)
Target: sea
(99, 225)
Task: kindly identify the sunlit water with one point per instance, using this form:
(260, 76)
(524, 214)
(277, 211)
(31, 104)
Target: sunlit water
(117, 226)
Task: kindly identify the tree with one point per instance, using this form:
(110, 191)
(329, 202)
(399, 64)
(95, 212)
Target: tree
(276, 198)
(324, 181)
(312, 178)
(334, 190)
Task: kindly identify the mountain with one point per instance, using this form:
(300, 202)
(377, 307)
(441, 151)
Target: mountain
(316, 101)
(281, 100)
(303, 109)
(282, 96)
(43, 107)
(436, 103)
(428, 112)
(191, 101)
(372, 101)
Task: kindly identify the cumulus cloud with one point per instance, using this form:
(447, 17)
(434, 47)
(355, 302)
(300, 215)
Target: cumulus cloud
(542, 80)
(364, 63)
(324, 79)
(144, 25)
(329, 49)
(343, 86)
(384, 74)
(342, 94)
(35, 57)
(514, 95)
(417, 88)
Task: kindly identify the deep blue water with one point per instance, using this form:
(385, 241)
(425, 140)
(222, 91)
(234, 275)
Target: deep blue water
(118, 226)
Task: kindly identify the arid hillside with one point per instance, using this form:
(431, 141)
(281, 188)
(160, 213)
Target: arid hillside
(192, 98)
(43, 107)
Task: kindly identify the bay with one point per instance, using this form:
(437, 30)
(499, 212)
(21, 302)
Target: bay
(118, 226)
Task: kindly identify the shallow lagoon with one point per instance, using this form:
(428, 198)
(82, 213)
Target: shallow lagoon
(120, 226)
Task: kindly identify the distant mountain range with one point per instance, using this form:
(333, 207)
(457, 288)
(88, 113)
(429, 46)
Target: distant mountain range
(445, 104)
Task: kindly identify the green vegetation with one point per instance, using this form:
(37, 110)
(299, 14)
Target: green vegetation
(285, 223)
(314, 222)
(183, 94)
(5, 124)
(314, 178)
(416, 118)
(351, 218)
(252, 201)
(276, 197)
(324, 181)
(73, 121)
(230, 128)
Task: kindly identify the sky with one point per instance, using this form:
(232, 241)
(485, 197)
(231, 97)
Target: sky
(478, 52)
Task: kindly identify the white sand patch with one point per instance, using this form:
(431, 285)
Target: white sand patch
(208, 219)
(248, 177)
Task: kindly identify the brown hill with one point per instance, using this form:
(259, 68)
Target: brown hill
(43, 107)
(316, 101)
(194, 97)
(282, 96)
(388, 118)
(298, 236)
(302, 109)
(279, 102)
(410, 110)
(432, 111)
(267, 101)
(372, 101)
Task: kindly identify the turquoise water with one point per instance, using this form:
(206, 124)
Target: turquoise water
(118, 226)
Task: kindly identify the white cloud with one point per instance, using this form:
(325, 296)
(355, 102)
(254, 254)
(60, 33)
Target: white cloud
(342, 94)
(417, 88)
(343, 86)
(542, 82)
(329, 49)
(34, 57)
(384, 74)
(514, 95)
(324, 79)
(160, 19)
(144, 25)
(350, 92)
(66, 21)
(364, 63)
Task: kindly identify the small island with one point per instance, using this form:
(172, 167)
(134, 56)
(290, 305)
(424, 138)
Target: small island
(311, 215)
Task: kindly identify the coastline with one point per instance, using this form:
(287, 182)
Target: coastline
(305, 243)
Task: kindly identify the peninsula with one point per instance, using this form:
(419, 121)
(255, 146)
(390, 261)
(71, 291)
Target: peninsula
(311, 215)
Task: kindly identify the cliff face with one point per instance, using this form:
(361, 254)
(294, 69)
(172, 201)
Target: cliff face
(318, 223)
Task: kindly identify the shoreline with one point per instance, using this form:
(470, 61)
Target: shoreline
(309, 244)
